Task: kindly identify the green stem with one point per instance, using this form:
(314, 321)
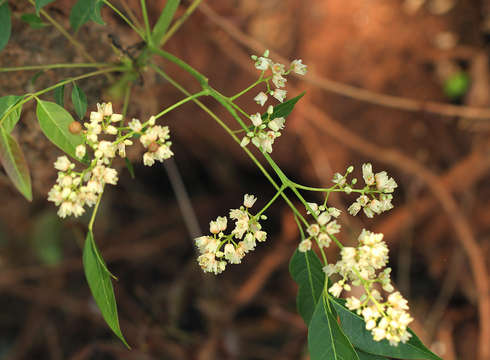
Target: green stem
(126, 101)
(234, 137)
(125, 19)
(181, 102)
(146, 21)
(246, 90)
(180, 21)
(244, 113)
(67, 81)
(182, 64)
(55, 66)
(281, 189)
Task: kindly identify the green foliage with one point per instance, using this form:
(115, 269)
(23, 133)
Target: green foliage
(79, 100)
(96, 16)
(457, 85)
(33, 20)
(85, 10)
(14, 163)
(306, 270)
(41, 3)
(6, 103)
(46, 238)
(164, 20)
(326, 340)
(355, 328)
(54, 122)
(99, 281)
(285, 108)
(366, 356)
(59, 95)
(5, 23)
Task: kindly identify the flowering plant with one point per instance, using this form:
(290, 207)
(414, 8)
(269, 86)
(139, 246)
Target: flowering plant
(369, 326)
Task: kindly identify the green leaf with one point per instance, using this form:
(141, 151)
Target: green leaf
(306, 270)
(355, 328)
(5, 23)
(59, 95)
(130, 167)
(33, 20)
(326, 340)
(54, 122)
(100, 284)
(164, 20)
(83, 11)
(14, 163)
(95, 16)
(79, 100)
(284, 109)
(6, 103)
(366, 356)
(46, 238)
(41, 3)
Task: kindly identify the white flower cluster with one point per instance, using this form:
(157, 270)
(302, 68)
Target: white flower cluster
(363, 266)
(265, 131)
(323, 229)
(73, 190)
(279, 73)
(218, 249)
(378, 183)
(155, 139)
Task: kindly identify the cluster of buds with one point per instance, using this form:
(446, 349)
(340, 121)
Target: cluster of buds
(365, 265)
(219, 248)
(323, 229)
(73, 190)
(265, 130)
(278, 78)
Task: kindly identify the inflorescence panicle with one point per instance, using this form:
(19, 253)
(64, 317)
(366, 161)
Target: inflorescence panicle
(265, 128)
(219, 248)
(106, 136)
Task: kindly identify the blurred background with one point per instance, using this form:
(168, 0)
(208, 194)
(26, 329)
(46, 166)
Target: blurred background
(403, 84)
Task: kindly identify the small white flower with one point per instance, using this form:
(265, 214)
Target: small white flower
(96, 116)
(298, 67)
(279, 94)
(151, 121)
(62, 163)
(111, 130)
(249, 200)
(335, 289)
(277, 124)
(135, 125)
(354, 208)
(261, 98)
(323, 218)
(262, 63)
(305, 245)
(245, 141)
(148, 159)
(277, 69)
(80, 151)
(256, 119)
(367, 174)
(116, 117)
(278, 80)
